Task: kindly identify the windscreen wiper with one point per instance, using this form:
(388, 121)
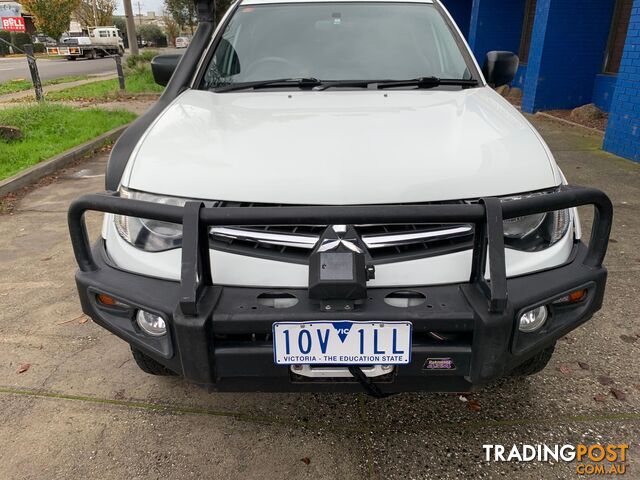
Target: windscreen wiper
(278, 83)
(427, 82)
(422, 82)
(344, 83)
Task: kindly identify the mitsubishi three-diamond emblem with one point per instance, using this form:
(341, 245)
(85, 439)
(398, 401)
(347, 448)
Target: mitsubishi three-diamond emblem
(333, 243)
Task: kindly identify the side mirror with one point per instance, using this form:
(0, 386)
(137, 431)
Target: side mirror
(163, 67)
(500, 68)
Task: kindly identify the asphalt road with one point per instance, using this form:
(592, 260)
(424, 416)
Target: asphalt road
(74, 405)
(14, 68)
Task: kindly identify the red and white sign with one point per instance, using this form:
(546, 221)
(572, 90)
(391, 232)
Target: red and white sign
(13, 24)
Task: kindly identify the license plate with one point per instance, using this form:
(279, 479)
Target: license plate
(342, 343)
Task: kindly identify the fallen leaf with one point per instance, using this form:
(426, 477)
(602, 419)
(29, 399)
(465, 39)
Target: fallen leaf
(83, 320)
(565, 369)
(584, 366)
(119, 395)
(603, 380)
(600, 398)
(613, 240)
(619, 394)
(306, 460)
(474, 405)
(628, 339)
(45, 259)
(72, 320)
(23, 367)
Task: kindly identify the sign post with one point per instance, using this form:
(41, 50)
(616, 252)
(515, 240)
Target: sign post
(120, 72)
(33, 68)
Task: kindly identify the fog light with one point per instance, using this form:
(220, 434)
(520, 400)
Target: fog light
(151, 324)
(533, 320)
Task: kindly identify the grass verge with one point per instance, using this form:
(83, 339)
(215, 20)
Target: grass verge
(51, 129)
(14, 86)
(138, 81)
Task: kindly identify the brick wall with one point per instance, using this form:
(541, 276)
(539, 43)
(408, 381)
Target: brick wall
(567, 52)
(460, 10)
(521, 74)
(495, 25)
(623, 132)
(603, 90)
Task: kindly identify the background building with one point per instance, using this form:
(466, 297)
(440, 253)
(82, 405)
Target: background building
(10, 8)
(572, 52)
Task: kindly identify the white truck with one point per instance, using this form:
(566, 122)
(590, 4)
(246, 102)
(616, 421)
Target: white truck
(329, 196)
(100, 42)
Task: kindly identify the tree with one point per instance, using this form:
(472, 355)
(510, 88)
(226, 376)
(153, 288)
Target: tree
(221, 8)
(152, 33)
(172, 29)
(121, 24)
(51, 17)
(101, 15)
(183, 13)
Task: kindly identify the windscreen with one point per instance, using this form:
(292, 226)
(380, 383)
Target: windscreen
(334, 42)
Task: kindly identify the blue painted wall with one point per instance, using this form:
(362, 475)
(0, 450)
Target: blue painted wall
(567, 52)
(460, 10)
(495, 25)
(603, 90)
(521, 74)
(623, 131)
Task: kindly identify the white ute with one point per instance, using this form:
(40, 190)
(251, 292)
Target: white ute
(341, 124)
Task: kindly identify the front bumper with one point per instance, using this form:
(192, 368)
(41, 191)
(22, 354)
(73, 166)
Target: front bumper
(218, 337)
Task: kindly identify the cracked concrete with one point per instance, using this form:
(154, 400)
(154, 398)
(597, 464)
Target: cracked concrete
(84, 410)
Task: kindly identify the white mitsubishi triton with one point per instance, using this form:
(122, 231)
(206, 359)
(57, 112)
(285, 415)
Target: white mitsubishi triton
(330, 196)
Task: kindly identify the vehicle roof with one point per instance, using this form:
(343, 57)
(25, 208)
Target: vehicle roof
(264, 2)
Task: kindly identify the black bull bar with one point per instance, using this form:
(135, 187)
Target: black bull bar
(487, 216)
(194, 303)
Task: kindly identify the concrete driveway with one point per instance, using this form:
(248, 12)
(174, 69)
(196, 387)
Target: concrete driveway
(84, 410)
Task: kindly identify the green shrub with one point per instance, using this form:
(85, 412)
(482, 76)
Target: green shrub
(148, 55)
(4, 48)
(135, 61)
(20, 39)
(39, 48)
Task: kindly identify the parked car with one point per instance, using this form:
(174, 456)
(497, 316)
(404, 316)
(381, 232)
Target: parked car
(355, 209)
(182, 42)
(43, 39)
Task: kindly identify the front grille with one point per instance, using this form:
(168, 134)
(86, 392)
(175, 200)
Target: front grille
(385, 243)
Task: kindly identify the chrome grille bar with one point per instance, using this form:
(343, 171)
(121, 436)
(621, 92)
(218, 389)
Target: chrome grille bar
(409, 238)
(279, 239)
(308, 242)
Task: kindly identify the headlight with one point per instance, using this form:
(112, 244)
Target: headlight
(535, 232)
(150, 235)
